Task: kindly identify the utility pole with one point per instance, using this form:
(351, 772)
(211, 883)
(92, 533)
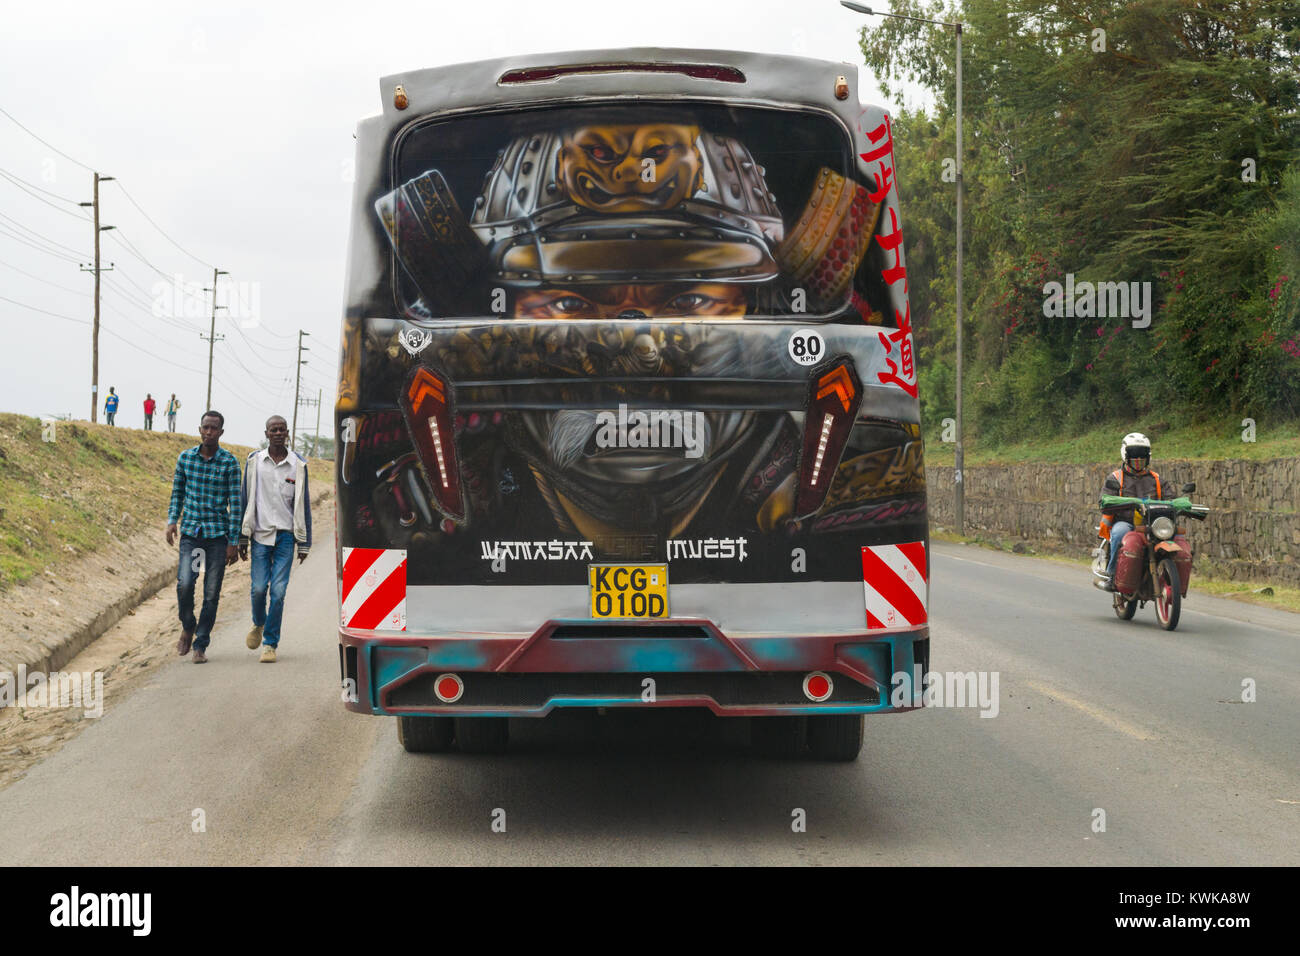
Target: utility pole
(212, 336)
(316, 437)
(293, 436)
(310, 402)
(94, 335)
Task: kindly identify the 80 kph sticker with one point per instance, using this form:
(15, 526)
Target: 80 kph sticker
(806, 347)
(628, 590)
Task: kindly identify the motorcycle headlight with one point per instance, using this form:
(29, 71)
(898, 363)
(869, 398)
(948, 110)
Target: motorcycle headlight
(1163, 528)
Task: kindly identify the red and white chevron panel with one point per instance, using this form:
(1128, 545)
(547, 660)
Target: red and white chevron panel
(893, 576)
(373, 593)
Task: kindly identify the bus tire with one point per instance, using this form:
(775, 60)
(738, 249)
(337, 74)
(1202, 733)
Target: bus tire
(835, 736)
(424, 735)
(482, 735)
(781, 737)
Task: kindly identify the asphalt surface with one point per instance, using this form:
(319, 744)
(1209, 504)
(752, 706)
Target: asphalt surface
(1093, 715)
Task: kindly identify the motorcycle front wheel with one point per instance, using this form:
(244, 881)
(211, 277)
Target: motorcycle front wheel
(1168, 596)
(1124, 607)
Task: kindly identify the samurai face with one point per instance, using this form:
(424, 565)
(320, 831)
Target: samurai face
(630, 167)
(641, 301)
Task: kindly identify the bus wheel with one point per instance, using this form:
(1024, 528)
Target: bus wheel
(424, 735)
(835, 736)
(780, 737)
(482, 735)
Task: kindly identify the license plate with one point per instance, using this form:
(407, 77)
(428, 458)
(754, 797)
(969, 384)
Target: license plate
(628, 590)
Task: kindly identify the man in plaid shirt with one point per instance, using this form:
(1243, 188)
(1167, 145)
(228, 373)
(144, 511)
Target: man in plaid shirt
(205, 500)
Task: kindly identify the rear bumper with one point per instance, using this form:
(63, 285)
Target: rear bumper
(678, 663)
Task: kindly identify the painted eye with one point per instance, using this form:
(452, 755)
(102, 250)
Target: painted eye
(601, 154)
(569, 304)
(657, 153)
(688, 302)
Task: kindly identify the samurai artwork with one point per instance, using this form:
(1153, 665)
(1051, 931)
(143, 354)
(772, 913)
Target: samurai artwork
(595, 362)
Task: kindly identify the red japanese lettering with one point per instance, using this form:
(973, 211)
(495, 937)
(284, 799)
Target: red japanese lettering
(890, 242)
(903, 337)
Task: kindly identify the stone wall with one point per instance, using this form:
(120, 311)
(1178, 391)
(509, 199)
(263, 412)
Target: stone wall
(1253, 531)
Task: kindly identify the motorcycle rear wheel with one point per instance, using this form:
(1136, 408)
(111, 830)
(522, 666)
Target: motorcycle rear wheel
(1168, 594)
(1124, 607)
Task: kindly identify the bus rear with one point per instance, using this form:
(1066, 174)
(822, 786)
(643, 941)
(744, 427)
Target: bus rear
(628, 401)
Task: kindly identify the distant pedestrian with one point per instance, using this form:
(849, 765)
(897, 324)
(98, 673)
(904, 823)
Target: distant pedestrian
(149, 406)
(173, 407)
(110, 406)
(205, 501)
(277, 515)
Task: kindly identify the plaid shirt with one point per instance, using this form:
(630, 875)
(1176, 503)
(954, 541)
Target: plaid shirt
(206, 492)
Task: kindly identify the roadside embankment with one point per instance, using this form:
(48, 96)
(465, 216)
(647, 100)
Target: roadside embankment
(82, 512)
(1251, 534)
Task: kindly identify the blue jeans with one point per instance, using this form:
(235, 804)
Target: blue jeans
(270, 565)
(1117, 532)
(207, 555)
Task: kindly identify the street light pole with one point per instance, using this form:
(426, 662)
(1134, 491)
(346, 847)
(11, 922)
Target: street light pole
(959, 478)
(959, 484)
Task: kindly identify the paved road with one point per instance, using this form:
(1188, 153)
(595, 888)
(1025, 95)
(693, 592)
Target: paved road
(1094, 714)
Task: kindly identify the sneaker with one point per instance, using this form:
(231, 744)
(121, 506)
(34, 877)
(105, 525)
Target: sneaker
(183, 645)
(254, 638)
(200, 657)
(268, 655)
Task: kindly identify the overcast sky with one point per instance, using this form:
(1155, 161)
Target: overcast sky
(230, 125)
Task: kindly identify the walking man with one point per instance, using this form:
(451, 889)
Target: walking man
(110, 406)
(205, 501)
(276, 505)
(149, 406)
(173, 407)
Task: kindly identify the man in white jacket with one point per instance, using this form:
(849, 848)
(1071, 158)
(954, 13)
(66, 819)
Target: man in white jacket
(277, 519)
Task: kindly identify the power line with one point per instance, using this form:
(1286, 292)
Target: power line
(4, 231)
(45, 144)
(130, 247)
(269, 331)
(44, 311)
(40, 236)
(131, 200)
(32, 275)
(13, 180)
(10, 175)
(139, 348)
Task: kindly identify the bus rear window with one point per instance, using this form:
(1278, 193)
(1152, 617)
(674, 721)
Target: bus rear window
(609, 211)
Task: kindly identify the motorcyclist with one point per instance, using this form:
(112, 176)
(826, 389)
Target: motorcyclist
(1133, 479)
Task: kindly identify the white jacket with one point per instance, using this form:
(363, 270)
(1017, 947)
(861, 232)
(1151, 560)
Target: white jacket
(301, 499)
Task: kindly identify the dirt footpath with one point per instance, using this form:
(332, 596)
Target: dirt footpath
(128, 653)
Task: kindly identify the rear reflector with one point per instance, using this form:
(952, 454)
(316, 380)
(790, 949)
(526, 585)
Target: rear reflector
(449, 688)
(818, 686)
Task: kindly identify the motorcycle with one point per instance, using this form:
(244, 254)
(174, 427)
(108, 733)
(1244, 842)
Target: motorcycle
(1155, 561)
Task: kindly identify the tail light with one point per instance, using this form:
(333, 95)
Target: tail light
(834, 396)
(426, 403)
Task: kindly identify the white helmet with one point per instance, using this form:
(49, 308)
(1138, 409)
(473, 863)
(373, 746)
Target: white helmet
(1132, 446)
